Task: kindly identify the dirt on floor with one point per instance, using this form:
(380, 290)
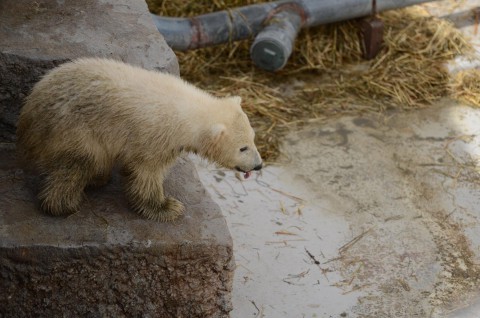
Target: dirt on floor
(373, 216)
(408, 189)
(370, 216)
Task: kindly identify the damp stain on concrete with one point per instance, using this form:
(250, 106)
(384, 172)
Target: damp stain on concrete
(360, 225)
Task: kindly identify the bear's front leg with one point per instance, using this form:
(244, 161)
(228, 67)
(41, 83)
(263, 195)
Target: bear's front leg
(145, 193)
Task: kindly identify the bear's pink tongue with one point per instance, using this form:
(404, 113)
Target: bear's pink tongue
(247, 174)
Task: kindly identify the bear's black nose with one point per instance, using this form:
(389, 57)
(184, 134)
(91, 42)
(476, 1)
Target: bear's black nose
(258, 167)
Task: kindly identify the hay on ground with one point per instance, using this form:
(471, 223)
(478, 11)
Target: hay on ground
(326, 74)
(465, 87)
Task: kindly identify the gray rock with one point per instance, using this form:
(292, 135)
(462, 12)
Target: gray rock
(104, 261)
(36, 36)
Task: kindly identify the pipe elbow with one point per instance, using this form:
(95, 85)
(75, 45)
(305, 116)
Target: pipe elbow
(274, 44)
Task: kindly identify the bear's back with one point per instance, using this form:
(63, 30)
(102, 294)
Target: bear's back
(103, 104)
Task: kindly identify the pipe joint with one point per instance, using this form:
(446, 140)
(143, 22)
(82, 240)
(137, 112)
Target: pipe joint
(274, 44)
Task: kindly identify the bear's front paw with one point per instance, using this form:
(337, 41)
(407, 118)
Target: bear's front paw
(168, 211)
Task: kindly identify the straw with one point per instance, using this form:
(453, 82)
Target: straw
(326, 75)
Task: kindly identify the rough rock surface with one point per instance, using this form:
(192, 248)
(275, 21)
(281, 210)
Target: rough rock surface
(36, 36)
(104, 261)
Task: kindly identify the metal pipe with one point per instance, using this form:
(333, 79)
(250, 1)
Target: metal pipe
(273, 45)
(210, 29)
(239, 23)
(281, 19)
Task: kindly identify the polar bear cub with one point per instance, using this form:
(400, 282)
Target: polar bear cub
(88, 115)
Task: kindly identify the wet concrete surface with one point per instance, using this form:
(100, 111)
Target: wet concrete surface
(373, 216)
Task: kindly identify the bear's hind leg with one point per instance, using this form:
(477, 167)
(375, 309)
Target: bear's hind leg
(145, 193)
(63, 185)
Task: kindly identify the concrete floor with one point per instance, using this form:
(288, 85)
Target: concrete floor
(372, 216)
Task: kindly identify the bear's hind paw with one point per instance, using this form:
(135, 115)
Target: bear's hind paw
(58, 209)
(58, 203)
(168, 211)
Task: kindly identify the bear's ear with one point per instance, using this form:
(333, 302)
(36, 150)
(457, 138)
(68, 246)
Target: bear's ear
(218, 130)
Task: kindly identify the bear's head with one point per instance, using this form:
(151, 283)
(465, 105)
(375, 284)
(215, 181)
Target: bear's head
(231, 139)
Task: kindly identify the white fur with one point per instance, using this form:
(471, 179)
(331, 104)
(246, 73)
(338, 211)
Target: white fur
(102, 112)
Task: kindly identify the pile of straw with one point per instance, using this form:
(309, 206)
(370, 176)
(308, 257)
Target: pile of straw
(465, 87)
(326, 74)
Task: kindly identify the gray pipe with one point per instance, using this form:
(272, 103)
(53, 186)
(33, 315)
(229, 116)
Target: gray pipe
(281, 19)
(210, 29)
(274, 43)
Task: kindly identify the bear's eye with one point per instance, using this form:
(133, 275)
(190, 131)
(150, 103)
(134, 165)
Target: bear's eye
(243, 149)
